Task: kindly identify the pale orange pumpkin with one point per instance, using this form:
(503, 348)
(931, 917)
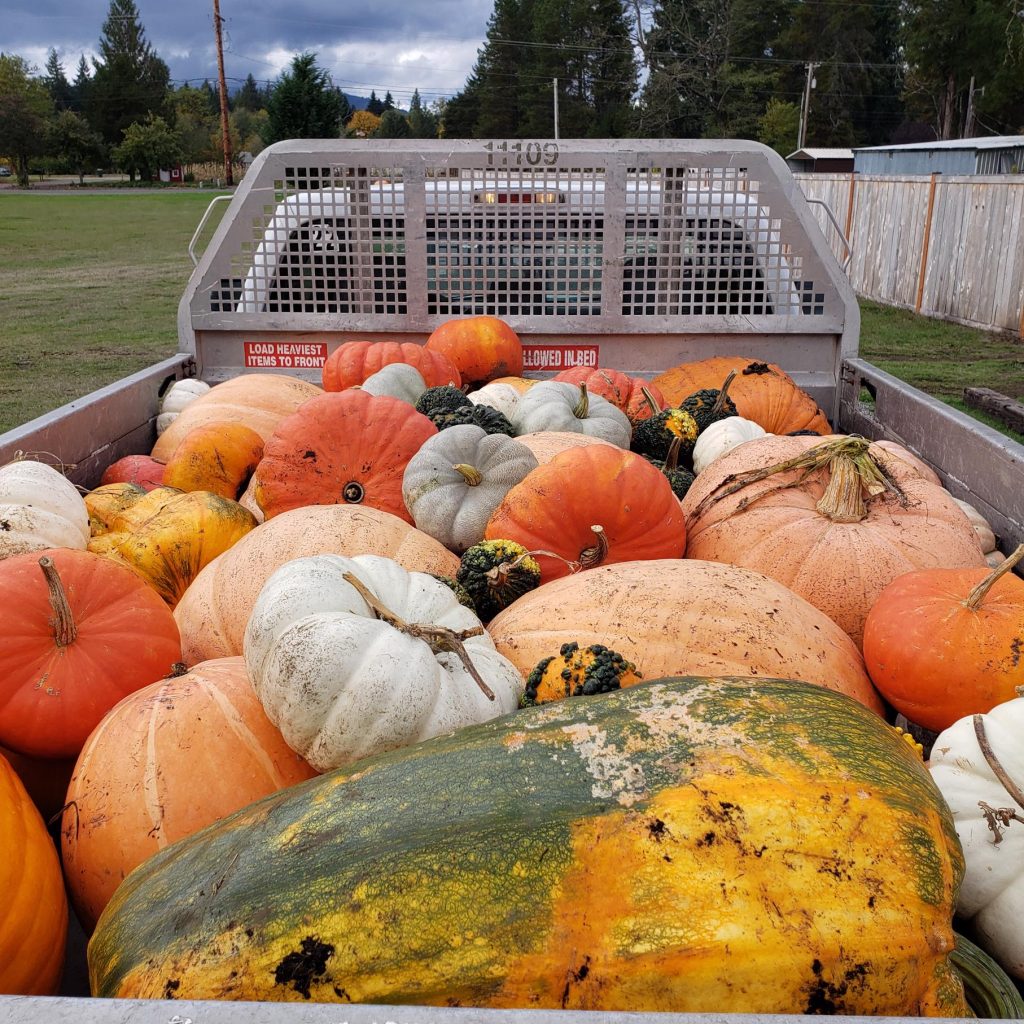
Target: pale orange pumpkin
(219, 457)
(546, 444)
(685, 617)
(33, 908)
(167, 761)
(835, 530)
(762, 392)
(215, 609)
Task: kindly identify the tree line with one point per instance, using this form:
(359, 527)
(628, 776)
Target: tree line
(883, 71)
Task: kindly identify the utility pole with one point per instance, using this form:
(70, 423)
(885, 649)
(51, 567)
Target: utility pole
(805, 104)
(555, 93)
(970, 116)
(224, 130)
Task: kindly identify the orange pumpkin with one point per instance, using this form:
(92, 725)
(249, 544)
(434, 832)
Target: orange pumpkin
(349, 448)
(942, 644)
(143, 470)
(481, 348)
(33, 908)
(591, 505)
(79, 632)
(213, 614)
(167, 761)
(684, 617)
(840, 523)
(259, 400)
(219, 457)
(624, 392)
(762, 392)
(353, 361)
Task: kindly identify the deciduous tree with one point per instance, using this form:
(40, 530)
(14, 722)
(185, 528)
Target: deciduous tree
(25, 112)
(148, 146)
(75, 143)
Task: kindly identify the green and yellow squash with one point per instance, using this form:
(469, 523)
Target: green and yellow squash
(689, 844)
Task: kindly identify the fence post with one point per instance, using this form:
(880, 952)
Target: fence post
(927, 239)
(849, 203)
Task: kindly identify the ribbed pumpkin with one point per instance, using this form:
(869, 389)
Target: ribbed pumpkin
(692, 845)
(39, 508)
(591, 506)
(676, 616)
(219, 457)
(624, 392)
(941, 644)
(108, 501)
(259, 400)
(177, 396)
(215, 609)
(836, 534)
(353, 361)
(481, 348)
(349, 448)
(78, 633)
(33, 908)
(763, 392)
(168, 760)
(555, 405)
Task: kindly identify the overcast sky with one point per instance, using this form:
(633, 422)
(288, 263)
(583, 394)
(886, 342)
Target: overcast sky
(365, 44)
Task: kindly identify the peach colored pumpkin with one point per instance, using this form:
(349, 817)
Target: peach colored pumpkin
(923, 469)
(167, 761)
(839, 558)
(685, 617)
(546, 444)
(259, 400)
(213, 613)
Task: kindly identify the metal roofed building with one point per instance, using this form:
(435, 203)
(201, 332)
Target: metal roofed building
(997, 154)
(812, 158)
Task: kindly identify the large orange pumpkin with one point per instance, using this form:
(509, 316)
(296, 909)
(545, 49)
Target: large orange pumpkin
(762, 392)
(942, 644)
(259, 400)
(348, 448)
(831, 527)
(624, 392)
(482, 348)
(167, 761)
(214, 612)
(685, 617)
(78, 633)
(591, 505)
(353, 361)
(33, 908)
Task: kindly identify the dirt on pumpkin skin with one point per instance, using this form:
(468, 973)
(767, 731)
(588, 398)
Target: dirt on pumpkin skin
(304, 966)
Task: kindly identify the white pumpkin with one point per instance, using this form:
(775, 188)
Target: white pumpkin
(176, 397)
(989, 816)
(502, 397)
(396, 380)
(342, 680)
(558, 405)
(39, 508)
(981, 526)
(458, 478)
(722, 436)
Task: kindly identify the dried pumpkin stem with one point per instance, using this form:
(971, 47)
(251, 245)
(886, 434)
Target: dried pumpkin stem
(595, 555)
(977, 595)
(440, 639)
(672, 455)
(650, 400)
(998, 770)
(582, 408)
(470, 474)
(723, 394)
(63, 622)
(497, 575)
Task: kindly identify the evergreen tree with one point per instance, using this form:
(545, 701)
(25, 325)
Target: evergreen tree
(56, 82)
(422, 122)
(80, 86)
(389, 103)
(304, 104)
(501, 71)
(375, 106)
(250, 96)
(210, 98)
(130, 80)
(459, 114)
(393, 125)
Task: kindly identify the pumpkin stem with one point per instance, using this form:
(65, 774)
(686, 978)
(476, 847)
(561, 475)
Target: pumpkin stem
(178, 669)
(64, 629)
(723, 394)
(672, 455)
(582, 408)
(438, 638)
(595, 555)
(977, 595)
(470, 474)
(650, 400)
(993, 762)
(497, 576)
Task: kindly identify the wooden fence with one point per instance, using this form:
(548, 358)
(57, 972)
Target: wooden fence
(950, 247)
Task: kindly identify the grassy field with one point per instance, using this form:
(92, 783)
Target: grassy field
(90, 284)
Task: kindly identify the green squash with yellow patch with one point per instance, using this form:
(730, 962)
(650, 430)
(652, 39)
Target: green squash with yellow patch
(688, 845)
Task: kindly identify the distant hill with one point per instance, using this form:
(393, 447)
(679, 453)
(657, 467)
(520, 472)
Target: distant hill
(359, 102)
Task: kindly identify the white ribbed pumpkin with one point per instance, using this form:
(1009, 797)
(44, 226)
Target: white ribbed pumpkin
(722, 436)
(558, 405)
(39, 508)
(396, 380)
(177, 396)
(989, 820)
(986, 537)
(342, 683)
(458, 478)
(502, 397)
